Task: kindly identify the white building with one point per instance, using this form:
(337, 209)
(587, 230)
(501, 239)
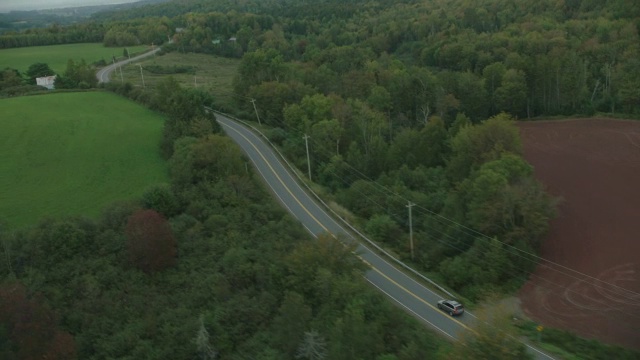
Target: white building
(47, 81)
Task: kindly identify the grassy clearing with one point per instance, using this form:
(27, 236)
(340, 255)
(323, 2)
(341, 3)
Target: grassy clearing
(212, 73)
(572, 347)
(56, 56)
(73, 153)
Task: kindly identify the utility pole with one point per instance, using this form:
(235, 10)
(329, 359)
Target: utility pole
(114, 63)
(253, 101)
(411, 228)
(306, 143)
(195, 82)
(142, 76)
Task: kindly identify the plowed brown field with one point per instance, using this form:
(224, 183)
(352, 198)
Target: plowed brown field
(591, 284)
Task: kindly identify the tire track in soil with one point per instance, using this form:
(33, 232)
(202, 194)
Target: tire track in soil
(594, 166)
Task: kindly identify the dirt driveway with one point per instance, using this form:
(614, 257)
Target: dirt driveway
(591, 285)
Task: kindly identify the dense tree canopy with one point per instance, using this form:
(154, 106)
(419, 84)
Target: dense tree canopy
(400, 101)
(29, 328)
(78, 75)
(150, 241)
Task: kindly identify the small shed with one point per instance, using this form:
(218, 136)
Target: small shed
(46, 81)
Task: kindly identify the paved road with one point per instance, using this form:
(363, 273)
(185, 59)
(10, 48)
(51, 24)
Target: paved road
(408, 293)
(103, 74)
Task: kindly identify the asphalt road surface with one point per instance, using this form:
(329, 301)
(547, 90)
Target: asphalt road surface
(408, 293)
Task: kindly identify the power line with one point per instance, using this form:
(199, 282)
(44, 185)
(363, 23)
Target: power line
(524, 271)
(482, 236)
(527, 256)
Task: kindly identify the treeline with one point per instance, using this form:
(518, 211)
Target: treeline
(143, 31)
(529, 60)
(503, 11)
(534, 59)
(77, 75)
(54, 35)
(148, 31)
(22, 20)
(208, 266)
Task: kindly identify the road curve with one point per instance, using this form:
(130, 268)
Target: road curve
(408, 293)
(103, 74)
(402, 289)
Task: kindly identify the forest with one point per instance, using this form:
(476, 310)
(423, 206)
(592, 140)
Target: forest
(404, 102)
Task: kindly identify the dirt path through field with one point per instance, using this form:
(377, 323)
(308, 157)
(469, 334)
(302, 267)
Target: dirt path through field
(594, 166)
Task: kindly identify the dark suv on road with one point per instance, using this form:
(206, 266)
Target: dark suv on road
(452, 307)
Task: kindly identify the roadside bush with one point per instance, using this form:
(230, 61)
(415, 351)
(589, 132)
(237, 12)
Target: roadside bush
(175, 69)
(577, 346)
(23, 90)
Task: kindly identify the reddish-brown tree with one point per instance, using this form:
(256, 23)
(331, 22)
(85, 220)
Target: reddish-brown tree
(32, 327)
(151, 244)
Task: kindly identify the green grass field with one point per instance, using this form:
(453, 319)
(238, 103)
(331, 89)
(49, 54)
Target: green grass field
(73, 153)
(56, 56)
(212, 73)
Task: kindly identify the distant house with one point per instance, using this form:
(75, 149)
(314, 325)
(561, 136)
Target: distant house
(46, 81)
(232, 39)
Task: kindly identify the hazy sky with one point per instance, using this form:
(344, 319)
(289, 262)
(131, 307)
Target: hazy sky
(8, 5)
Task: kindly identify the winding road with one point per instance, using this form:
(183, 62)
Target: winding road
(103, 74)
(403, 289)
(384, 274)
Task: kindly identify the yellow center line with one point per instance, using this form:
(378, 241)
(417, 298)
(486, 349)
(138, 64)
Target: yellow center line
(419, 298)
(281, 181)
(321, 225)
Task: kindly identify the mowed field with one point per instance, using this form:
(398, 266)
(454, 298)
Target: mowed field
(591, 281)
(212, 73)
(56, 56)
(73, 154)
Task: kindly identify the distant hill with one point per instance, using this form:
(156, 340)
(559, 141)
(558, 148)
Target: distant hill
(21, 20)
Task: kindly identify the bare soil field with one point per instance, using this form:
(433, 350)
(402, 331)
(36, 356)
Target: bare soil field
(590, 284)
